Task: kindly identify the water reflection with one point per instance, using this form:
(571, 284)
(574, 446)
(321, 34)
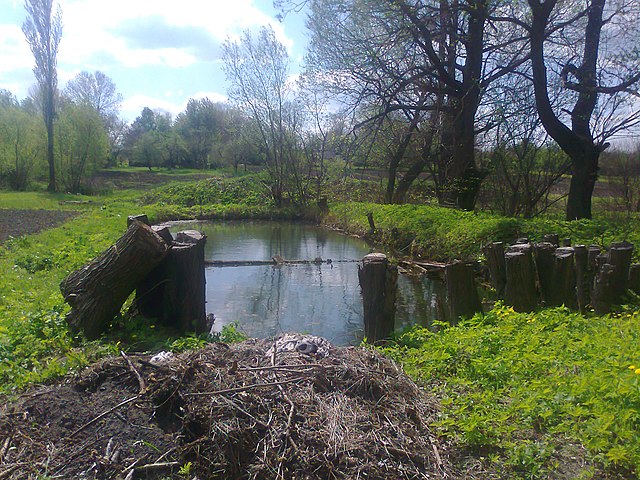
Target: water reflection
(320, 299)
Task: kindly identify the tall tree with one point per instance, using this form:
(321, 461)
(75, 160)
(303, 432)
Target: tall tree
(43, 31)
(258, 69)
(96, 90)
(594, 50)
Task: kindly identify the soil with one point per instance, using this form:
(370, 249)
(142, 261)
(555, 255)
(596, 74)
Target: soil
(15, 223)
(228, 411)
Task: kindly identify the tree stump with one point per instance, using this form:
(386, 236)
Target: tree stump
(142, 218)
(174, 293)
(461, 291)
(378, 281)
(494, 254)
(520, 291)
(620, 257)
(97, 291)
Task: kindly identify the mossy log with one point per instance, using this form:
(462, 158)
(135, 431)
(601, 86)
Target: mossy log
(97, 291)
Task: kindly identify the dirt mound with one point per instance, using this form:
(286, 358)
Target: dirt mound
(15, 223)
(227, 412)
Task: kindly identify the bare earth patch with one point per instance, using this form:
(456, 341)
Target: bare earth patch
(15, 223)
(228, 412)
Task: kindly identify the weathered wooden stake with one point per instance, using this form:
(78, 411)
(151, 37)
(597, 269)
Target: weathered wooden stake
(97, 291)
(378, 280)
(584, 277)
(494, 253)
(520, 291)
(461, 291)
(634, 278)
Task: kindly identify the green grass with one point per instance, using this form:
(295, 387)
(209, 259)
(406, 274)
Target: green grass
(530, 391)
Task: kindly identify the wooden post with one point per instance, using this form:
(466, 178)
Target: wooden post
(602, 296)
(174, 293)
(494, 253)
(634, 278)
(620, 257)
(97, 291)
(461, 291)
(378, 281)
(372, 225)
(584, 277)
(565, 283)
(520, 291)
(545, 263)
(551, 238)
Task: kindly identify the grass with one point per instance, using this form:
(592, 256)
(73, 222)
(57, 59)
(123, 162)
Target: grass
(530, 391)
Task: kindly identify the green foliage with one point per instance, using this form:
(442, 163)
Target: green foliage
(525, 386)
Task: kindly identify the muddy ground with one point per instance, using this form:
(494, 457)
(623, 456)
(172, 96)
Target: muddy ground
(15, 223)
(228, 411)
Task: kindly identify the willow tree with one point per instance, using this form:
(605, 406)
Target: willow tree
(43, 31)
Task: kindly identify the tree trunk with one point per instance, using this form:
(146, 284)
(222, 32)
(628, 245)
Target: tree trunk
(378, 281)
(583, 180)
(97, 291)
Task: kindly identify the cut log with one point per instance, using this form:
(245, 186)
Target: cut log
(520, 291)
(174, 293)
(462, 293)
(164, 233)
(620, 257)
(602, 296)
(97, 291)
(494, 254)
(378, 281)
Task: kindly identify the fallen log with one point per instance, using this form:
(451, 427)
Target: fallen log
(97, 291)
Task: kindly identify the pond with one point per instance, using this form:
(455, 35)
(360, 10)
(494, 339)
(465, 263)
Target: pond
(319, 299)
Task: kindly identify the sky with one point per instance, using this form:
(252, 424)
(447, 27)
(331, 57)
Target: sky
(159, 53)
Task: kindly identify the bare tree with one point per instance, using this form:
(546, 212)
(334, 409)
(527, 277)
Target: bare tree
(258, 69)
(594, 54)
(43, 31)
(96, 90)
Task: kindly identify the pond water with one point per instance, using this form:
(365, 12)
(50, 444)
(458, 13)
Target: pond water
(320, 299)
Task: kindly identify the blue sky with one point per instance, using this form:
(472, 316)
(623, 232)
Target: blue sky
(159, 53)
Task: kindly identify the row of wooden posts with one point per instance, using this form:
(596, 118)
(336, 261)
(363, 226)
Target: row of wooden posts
(525, 275)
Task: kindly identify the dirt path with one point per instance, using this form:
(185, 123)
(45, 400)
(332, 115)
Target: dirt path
(15, 223)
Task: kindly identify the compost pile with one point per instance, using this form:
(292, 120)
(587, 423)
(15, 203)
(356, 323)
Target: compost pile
(227, 411)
